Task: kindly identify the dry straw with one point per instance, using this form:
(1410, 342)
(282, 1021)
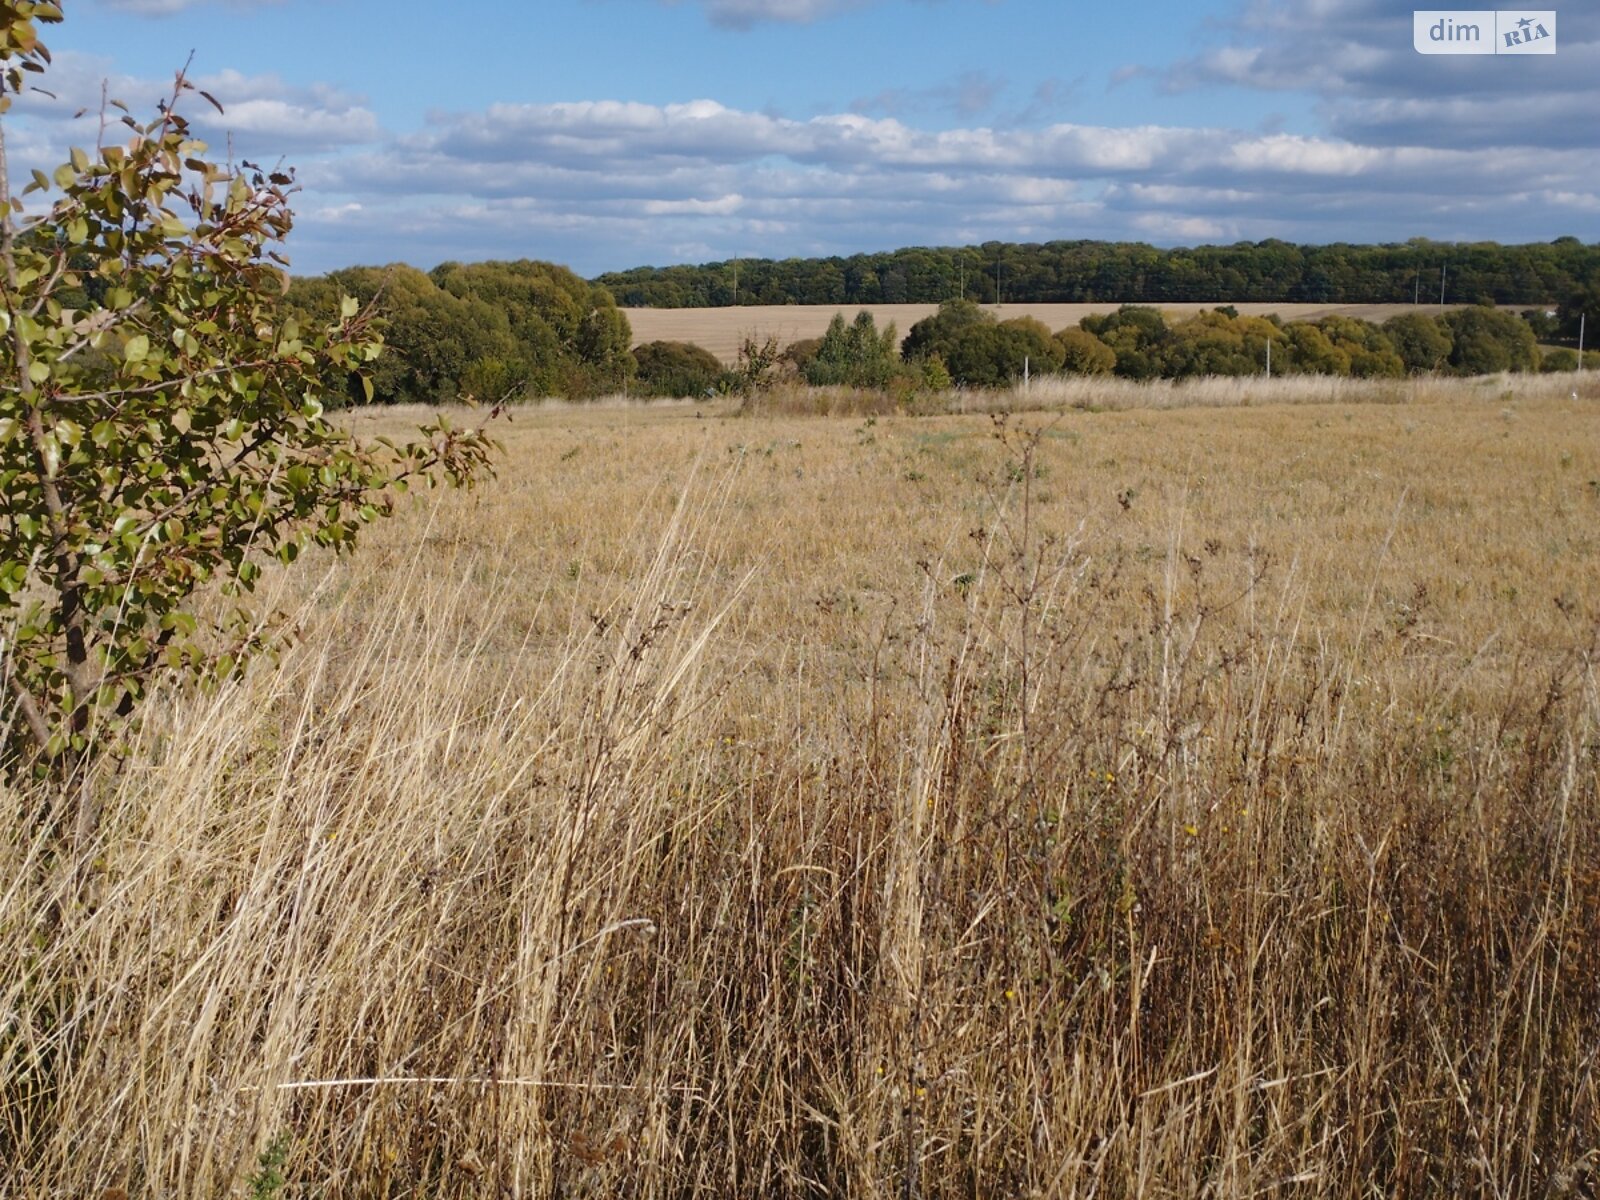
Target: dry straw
(901, 810)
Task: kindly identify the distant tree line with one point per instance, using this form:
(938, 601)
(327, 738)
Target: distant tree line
(1273, 272)
(525, 329)
(966, 344)
(1137, 342)
(491, 330)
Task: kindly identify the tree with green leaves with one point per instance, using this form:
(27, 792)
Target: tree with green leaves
(1084, 354)
(160, 442)
(1487, 340)
(857, 354)
(1422, 343)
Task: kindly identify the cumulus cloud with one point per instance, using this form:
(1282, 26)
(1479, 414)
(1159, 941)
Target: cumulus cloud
(604, 183)
(609, 183)
(263, 115)
(1357, 57)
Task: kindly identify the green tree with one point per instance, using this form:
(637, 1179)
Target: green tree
(857, 354)
(933, 335)
(1137, 335)
(437, 345)
(571, 338)
(1309, 351)
(1581, 309)
(1084, 354)
(1422, 343)
(167, 438)
(1487, 340)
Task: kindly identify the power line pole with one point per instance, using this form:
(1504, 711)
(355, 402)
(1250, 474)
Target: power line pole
(1441, 286)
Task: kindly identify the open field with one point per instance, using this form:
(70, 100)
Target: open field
(719, 330)
(1149, 802)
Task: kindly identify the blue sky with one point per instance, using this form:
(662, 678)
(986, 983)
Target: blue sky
(613, 133)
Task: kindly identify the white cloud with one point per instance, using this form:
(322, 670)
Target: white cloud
(1169, 226)
(264, 115)
(1357, 58)
(609, 183)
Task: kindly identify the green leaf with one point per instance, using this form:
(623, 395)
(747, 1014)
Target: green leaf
(137, 349)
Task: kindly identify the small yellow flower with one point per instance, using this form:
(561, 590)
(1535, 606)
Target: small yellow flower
(1192, 830)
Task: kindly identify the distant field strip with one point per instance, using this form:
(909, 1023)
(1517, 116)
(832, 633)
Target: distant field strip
(719, 330)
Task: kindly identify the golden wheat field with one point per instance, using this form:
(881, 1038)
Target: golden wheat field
(1165, 801)
(720, 330)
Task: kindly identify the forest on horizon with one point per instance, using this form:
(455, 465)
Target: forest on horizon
(1087, 272)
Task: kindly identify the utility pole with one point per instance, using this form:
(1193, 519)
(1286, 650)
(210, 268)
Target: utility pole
(1441, 286)
(1416, 291)
(1269, 358)
(736, 281)
(1582, 320)
(997, 281)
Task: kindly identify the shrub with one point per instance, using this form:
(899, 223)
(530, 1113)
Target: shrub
(162, 427)
(675, 369)
(1084, 354)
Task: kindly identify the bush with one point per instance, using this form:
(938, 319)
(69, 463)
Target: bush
(165, 432)
(675, 369)
(798, 353)
(1084, 354)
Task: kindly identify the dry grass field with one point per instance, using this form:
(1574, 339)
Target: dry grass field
(720, 330)
(1160, 801)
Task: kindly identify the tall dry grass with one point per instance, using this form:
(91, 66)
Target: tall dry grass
(1100, 393)
(1147, 803)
